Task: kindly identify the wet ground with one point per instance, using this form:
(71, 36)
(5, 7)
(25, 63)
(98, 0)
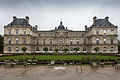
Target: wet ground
(59, 73)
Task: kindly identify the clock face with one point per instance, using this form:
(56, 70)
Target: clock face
(60, 33)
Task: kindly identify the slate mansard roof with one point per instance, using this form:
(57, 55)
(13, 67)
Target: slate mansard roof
(96, 22)
(102, 22)
(19, 21)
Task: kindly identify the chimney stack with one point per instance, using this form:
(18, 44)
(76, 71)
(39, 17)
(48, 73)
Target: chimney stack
(55, 28)
(14, 18)
(94, 19)
(66, 28)
(85, 27)
(27, 19)
(36, 26)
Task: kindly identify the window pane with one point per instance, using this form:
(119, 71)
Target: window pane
(17, 31)
(105, 31)
(9, 31)
(97, 32)
(61, 42)
(70, 42)
(17, 49)
(51, 49)
(97, 41)
(50, 42)
(9, 49)
(44, 42)
(104, 49)
(37, 48)
(24, 40)
(104, 40)
(16, 40)
(77, 42)
(111, 41)
(9, 40)
(24, 31)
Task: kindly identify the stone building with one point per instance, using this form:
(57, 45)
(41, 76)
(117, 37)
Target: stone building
(19, 33)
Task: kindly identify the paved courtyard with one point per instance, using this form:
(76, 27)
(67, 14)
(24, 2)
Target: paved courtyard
(59, 73)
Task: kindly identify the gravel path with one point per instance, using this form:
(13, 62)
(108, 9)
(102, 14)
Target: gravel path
(50, 73)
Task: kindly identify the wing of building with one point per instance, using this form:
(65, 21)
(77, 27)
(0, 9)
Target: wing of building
(102, 34)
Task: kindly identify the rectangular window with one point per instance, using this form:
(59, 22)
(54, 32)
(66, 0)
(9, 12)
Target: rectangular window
(105, 31)
(71, 42)
(51, 42)
(97, 31)
(16, 40)
(24, 31)
(84, 41)
(9, 31)
(61, 42)
(97, 41)
(44, 42)
(112, 41)
(104, 40)
(37, 42)
(17, 31)
(78, 42)
(17, 49)
(24, 40)
(9, 40)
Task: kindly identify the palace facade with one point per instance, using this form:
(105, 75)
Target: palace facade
(101, 34)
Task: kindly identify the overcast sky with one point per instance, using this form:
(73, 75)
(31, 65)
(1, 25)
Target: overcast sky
(47, 14)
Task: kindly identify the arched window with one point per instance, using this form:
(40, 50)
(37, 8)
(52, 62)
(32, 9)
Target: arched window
(9, 40)
(71, 48)
(61, 48)
(51, 49)
(112, 49)
(37, 48)
(9, 49)
(84, 49)
(104, 49)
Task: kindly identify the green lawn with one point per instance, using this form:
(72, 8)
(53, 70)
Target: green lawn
(61, 57)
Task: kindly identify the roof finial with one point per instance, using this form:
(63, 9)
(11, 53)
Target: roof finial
(61, 21)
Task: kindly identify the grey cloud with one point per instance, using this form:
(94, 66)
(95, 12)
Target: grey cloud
(60, 3)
